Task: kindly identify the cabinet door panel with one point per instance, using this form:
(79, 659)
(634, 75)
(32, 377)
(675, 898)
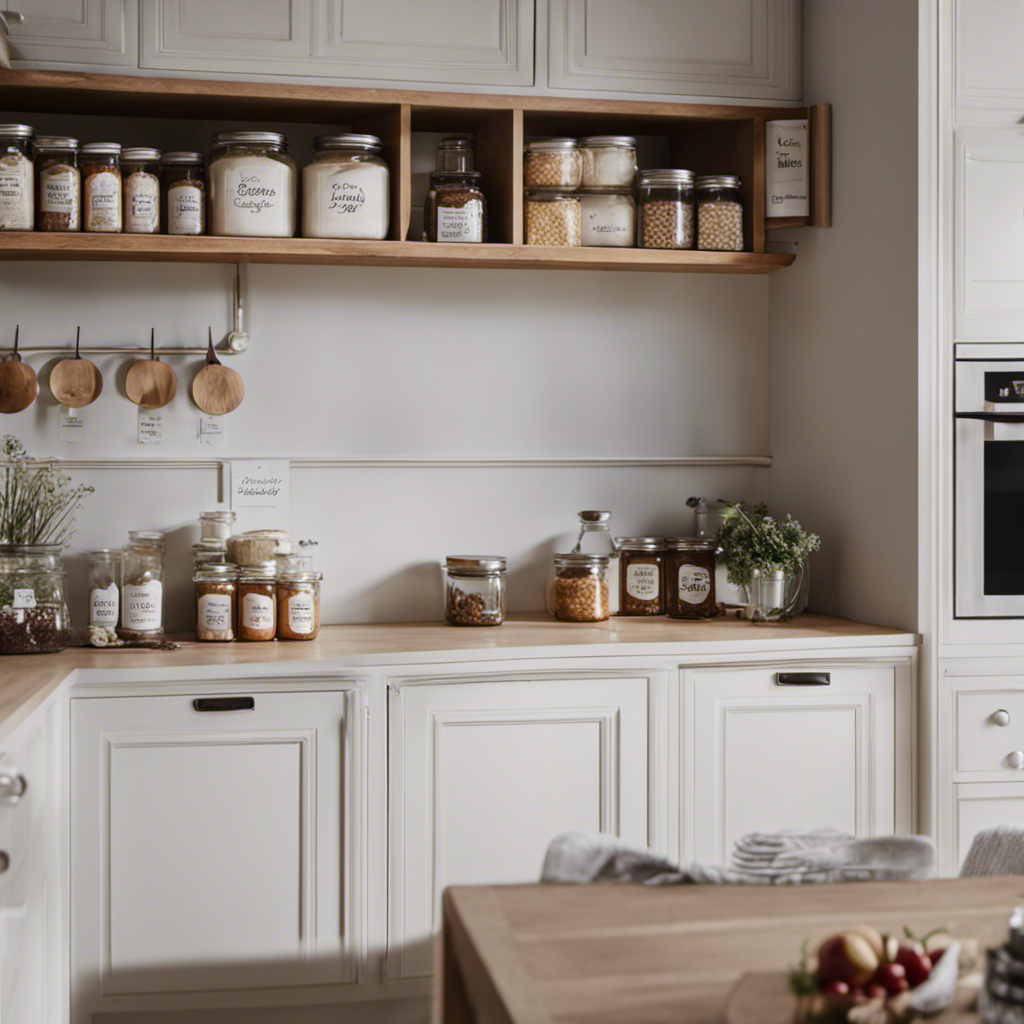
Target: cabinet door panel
(75, 32)
(989, 70)
(985, 805)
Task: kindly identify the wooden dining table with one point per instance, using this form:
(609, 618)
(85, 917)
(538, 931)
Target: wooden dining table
(634, 954)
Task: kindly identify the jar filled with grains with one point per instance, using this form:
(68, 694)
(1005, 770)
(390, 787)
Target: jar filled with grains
(552, 163)
(719, 213)
(553, 218)
(183, 185)
(345, 189)
(257, 602)
(253, 186)
(608, 217)
(216, 602)
(298, 605)
(140, 179)
(641, 573)
(609, 160)
(665, 210)
(689, 578)
(456, 209)
(581, 587)
(475, 590)
(17, 178)
(101, 186)
(142, 596)
(58, 184)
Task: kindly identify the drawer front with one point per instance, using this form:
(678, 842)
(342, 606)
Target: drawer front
(990, 731)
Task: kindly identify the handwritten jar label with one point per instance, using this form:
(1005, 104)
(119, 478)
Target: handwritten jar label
(24, 598)
(103, 202)
(141, 203)
(300, 613)
(59, 191)
(143, 606)
(642, 582)
(104, 605)
(214, 613)
(460, 223)
(694, 584)
(184, 210)
(258, 611)
(16, 208)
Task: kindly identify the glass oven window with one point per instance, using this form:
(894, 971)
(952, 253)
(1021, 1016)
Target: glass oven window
(1004, 517)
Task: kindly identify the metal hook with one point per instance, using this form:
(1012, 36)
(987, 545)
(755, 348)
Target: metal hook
(78, 337)
(17, 328)
(238, 340)
(152, 343)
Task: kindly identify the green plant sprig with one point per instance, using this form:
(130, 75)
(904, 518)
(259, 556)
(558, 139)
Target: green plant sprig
(753, 541)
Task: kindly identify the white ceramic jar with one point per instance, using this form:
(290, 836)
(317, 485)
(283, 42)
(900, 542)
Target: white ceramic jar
(252, 185)
(345, 189)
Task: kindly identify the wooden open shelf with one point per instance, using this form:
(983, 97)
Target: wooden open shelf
(707, 138)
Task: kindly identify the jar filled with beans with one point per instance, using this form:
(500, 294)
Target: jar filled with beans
(581, 587)
(553, 218)
(665, 210)
(475, 590)
(641, 575)
(719, 213)
(552, 163)
(690, 578)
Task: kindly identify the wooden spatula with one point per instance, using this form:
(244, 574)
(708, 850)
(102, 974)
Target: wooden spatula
(76, 382)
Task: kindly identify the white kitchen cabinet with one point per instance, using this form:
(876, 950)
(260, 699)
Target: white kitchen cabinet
(213, 845)
(987, 46)
(486, 771)
(104, 32)
(984, 805)
(760, 755)
(731, 48)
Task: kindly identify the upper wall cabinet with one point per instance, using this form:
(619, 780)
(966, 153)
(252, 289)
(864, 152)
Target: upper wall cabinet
(470, 42)
(736, 48)
(75, 32)
(989, 71)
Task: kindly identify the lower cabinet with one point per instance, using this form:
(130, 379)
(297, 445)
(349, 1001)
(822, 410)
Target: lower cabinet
(984, 805)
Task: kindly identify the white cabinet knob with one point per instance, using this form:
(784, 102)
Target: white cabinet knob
(1015, 758)
(12, 786)
(1001, 717)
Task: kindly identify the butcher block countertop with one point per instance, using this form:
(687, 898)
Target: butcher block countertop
(26, 681)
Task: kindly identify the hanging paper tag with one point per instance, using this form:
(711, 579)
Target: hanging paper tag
(211, 430)
(151, 426)
(72, 424)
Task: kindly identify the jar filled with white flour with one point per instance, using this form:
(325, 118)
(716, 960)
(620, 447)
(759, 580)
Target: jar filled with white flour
(345, 189)
(252, 185)
(17, 178)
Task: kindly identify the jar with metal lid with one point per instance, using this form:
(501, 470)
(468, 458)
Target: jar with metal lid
(140, 179)
(104, 587)
(719, 213)
(217, 525)
(17, 178)
(456, 207)
(298, 605)
(252, 185)
(475, 590)
(581, 587)
(609, 160)
(100, 165)
(553, 218)
(690, 578)
(665, 210)
(142, 596)
(58, 184)
(454, 154)
(286, 561)
(608, 216)
(183, 188)
(552, 163)
(216, 602)
(345, 191)
(257, 602)
(641, 575)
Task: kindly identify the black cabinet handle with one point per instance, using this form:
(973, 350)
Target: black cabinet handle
(991, 417)
(803, 679)
(224, 704)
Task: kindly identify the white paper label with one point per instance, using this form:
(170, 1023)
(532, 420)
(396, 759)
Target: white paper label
(72, 424)
(786, 176)
(104, 606)
(142, 203)
(151, 426)
(258, 192)
(143, 605)
(214, 612)
(257, 611)
(300, 613)
(694, 584)
(211, 430)
(103, 202)
(460, 223)
(59, 192)
(24, 598)
(259, 493)
(184, 210)
(642, 582)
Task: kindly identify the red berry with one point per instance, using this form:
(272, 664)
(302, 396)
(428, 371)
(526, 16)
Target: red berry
(892, 977)
(836, 988)
(916, 962)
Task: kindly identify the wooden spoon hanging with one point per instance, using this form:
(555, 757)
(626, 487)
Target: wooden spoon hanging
(76, 382)
(150, 383)
(18, 385)
(217, 389)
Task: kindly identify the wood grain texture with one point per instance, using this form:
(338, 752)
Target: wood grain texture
(150, 383)
(18, 386)
(218, 390)
(820, 131)
(76, 383)
(392, 126)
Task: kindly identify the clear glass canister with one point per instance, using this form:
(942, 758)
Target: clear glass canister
(552, 163)
(456, 208)
(207, 551)
(58, 184)
(581, 587)
(608, 217)
(288, 562)
(216, 602)
(142, 595)
(298, 605)
(641, 575)
(105, 587)
(719, 213)
(17, 178)
(33, 612)
(183, 189)
(665, 210)
(100, 166)
(257, 602)
(690, 578)
(345, 191)
(252, 185)
(454, 154)
(475, 590)
(595, 538)
(553, 218)
(140, 179)
(609, 160)
(216, 525)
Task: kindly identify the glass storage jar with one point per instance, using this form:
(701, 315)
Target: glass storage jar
(140, 179)
(719, 213)
(33, 612)
(285, 561)
(298, 605)
(216, 604)
(100, 167)
(142, 594)
(549, 163)
(104, 587)
(252, 185)
(665, 210)
(183, 188)
(641, 575)
(553, 218)
(58, 184)
(608, 217)
(690, 578)
(475, 590)
(581, 587)
(595, 538)
(257, 602)
(454, 154)
(216, 525)
(609, 161)
(345, 192)
(456, 208)
(207, 551)
(17, 178)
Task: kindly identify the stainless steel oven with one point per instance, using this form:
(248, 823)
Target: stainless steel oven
(989, 476)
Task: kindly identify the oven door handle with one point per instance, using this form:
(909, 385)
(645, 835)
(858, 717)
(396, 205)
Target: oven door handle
(991, 417)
